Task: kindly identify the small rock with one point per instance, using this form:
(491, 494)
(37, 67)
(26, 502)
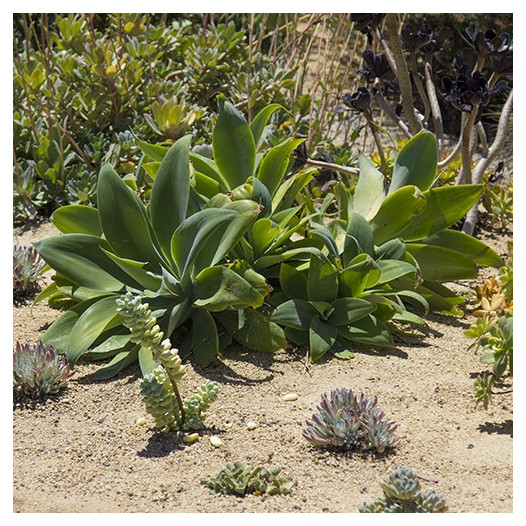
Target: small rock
(216, 441)
(252, 425)
(141, 421)
(190, 439)
(290, 397)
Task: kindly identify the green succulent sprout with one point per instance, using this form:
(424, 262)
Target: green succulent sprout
(236, 479)
(403, 494)
(38, 372)
(344, 420)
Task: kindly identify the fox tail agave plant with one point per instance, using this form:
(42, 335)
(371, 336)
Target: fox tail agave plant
(38, 372)
(175, 251)
(346, 421)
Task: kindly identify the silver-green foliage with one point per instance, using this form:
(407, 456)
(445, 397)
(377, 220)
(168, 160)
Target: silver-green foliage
(240, 480)
(344, 420)
(159, 385)
(27, 269)
(403, 494)
(38, 371)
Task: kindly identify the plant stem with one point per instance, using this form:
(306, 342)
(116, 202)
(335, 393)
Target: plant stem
(496, 146)
(402, 74)
(419, 86)
(372, 126)
(465, 175)
(335, 167)
(434, 105)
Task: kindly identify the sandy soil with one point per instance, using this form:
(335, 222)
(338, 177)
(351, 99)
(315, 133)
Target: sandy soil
(86, 451)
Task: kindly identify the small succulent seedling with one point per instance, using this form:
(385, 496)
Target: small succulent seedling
(346, 421)
(236, 479)
(27, 269)
(403, 494)
(38, 371)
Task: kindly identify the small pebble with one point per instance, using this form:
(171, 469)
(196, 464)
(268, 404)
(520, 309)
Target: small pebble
(228, 425)
(216, 441)
(290, 397)
(141, 421)
(252, 425)
(190, 439)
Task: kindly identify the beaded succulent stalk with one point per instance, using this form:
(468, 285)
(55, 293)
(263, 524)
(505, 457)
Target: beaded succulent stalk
(346, 421)
(237, 479)
(403, 494)
(159, 386)
(27, 268)
(38, 371)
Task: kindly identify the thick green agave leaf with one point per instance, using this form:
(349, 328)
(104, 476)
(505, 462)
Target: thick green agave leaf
(123, 219)
(233, 145)
(219, 287)
(189, 237)
(136, 270)
(367, 330)
(358, 239)
(442, 264)
(153, 151)
(444, 206)
(57, 334)
(257, 126)
(293, 282)
(205, 341)
(256, 331)
(83, 260)
(348, 310)
(392, 269)
(77, 219)
(322, 336)
(97, 318)
(362, 273)
(467, 245)
(275, 163)
(400, 209)
(369, 193)
(171, 192)
(208, 167)
(416, 164)
(119, 362)
(322, 280)
(296, 314)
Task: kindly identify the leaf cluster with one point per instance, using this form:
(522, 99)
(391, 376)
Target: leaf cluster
(402, 494)
(38, 372)
(344, 420)
(240, 480)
